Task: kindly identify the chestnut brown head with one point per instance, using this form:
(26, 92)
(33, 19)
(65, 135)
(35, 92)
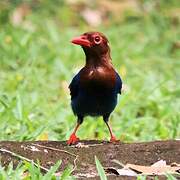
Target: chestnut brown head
(94, 43)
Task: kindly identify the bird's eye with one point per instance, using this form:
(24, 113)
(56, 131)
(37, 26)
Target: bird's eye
(97, 40)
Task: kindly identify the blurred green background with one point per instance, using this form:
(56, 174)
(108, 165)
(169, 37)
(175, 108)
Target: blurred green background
(37, 62)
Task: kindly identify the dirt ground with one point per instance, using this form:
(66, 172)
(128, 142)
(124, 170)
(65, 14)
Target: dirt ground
(81, 156)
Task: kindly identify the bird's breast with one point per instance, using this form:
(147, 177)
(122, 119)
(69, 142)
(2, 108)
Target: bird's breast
(97, 79)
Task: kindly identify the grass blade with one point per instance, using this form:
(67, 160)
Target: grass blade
(100, 169)
(53, 169)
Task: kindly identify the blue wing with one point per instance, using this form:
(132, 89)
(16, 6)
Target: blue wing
(118, 83)
(74, 86)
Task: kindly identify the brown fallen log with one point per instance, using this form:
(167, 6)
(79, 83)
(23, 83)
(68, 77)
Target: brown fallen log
(82, 155)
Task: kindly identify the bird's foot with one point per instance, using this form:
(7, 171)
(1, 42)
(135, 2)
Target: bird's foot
(113, 139)
(73, 139)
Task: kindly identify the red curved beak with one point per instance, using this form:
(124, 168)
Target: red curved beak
(81, 40)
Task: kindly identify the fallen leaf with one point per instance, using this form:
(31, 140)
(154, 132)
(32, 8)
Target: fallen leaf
(159, 163)
(158, 168)
(121, 172)
(126, 172)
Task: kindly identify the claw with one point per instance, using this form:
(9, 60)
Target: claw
(113, 139)
(73, 139)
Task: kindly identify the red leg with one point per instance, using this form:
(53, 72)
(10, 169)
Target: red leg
(73, 138)
(113, 138)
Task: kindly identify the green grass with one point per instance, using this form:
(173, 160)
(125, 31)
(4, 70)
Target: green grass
(28, 171)
(37, 62)
(100, 169)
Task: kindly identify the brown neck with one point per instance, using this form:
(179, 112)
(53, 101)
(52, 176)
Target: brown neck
(96, 59)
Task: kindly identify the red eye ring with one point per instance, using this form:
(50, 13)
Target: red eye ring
(97, 39)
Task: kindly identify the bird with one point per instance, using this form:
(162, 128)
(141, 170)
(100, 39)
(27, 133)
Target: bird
(95, 88)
